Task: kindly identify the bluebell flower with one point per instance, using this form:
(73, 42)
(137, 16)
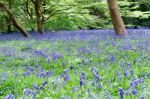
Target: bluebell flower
(112, 58)
(11, 96)
(131, 72)
(73, 89)
(15, 74)
(26, 74)
(29, 68)
(45, 83)
(81, 83)
(36, 87)
(56, 56)
(66, 97)
(121, 92)
(49, 73)
(34, 93)
(82, 76)
(97, 77)
(99, 85)
(127, 92)
(142, 79)
(129, 65)
(40, 69)
(66, 71)
(125, 74)
(67, 77)
(108, 95)
(27, 92)
(134, 91)
(41, 74)
(142, 97)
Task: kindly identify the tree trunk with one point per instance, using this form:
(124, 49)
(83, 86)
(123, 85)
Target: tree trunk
(13, 19)
(9, 24)
(8, 19)
(116, 17)
(37, 7)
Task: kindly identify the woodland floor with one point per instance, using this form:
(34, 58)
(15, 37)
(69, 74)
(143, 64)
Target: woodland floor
(84, 64)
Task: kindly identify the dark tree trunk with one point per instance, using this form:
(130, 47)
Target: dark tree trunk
(13, 19)
(116, 17)
(8, 19)
(9, 24)
(37, 7)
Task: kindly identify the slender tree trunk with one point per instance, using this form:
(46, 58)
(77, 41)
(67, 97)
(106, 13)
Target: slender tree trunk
(37, 7)
(13, 19)
(9, 24)
(116, 17)
(8, 19)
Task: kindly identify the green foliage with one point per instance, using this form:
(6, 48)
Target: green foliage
(63, 14)
(76, 14)
(135, 13)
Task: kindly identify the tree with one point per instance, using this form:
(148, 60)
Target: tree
(13, 19)
(116, 17)
(39, 18)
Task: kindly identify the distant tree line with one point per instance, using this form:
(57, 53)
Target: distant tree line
(52, 15)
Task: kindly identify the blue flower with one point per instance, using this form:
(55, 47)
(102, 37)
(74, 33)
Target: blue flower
(127, 92)
(81, 83)
(134, 91)
(142, 97)
(11, 96)
(121, 91)
(36, 87)
(27, 92)
(131, 73)
(73, 89)
(108, 95)
(67, 77)
(82, 76)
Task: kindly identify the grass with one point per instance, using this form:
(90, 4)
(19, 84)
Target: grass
(107, 61)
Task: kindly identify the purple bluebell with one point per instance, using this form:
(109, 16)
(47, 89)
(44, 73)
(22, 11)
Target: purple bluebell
(29, 68)
(41, 74)
(45, 83)
(121, 91)
(16, 74)
(67, 77)
(26, 74)
(97, 77)
(81, 83)
(82, 76)
(10, 96)
(35, 87)
(108, 95)
(40, 69)
(74, 89)
(112, 58)
(142, 79)
(27, 92)
(49, 73)
(125, 73)
(131, 72)
(56, 56)
(127, 92)
(66, 97)
(99, 85)
(142, 97)
(134, 91)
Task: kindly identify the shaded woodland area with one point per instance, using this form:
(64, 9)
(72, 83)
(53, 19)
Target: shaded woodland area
(41, 15)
